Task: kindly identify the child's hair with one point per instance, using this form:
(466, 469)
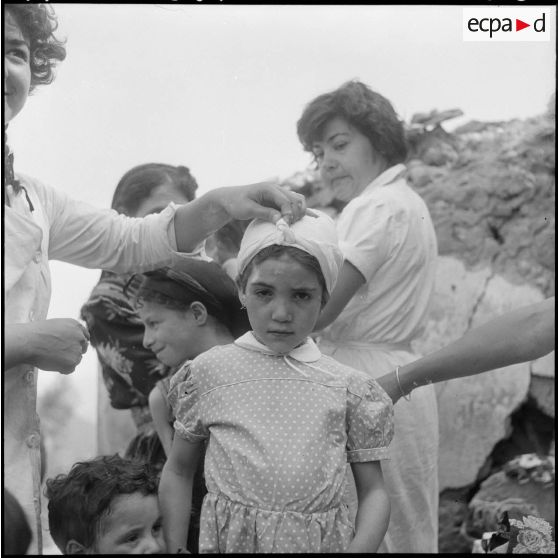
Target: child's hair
(276, 251)
(192, 280)
(79, 500)
(16, 533)
(38, 23)
(139, 182)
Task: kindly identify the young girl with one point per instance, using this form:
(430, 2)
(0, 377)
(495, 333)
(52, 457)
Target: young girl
(280, 419)
(185, 309)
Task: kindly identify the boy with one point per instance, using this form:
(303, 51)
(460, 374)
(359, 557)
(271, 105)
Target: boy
(107, 505)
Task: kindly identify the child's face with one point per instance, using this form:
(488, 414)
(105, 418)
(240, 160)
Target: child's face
(17, 71)
(283, 301)
(133, 526)
(171, 334)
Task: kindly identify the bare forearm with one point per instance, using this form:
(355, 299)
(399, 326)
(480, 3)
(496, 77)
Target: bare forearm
(175, 498)
(195, 221)
(371, 521)
(518, 336)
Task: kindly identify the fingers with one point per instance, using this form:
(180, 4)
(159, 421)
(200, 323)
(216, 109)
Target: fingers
(294, 208)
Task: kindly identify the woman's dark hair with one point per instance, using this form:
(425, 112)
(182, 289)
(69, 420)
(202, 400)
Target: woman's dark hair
(78, 501)
(38, 22)
(140, 181)
(276, 251)
(369, 112)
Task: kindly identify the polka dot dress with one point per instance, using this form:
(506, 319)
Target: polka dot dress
(279, 437)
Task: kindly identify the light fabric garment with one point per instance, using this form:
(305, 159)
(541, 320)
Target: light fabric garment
(281, 429)
(315, 235)
(62, 229)
(387, 234)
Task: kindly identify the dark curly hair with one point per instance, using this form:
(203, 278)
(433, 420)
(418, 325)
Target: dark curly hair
(369, 112)
(276, 251)
(139, 182)
(38, 22)
(80, 500)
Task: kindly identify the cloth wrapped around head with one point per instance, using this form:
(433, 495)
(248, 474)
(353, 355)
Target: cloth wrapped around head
(315, 235)
(190, 280)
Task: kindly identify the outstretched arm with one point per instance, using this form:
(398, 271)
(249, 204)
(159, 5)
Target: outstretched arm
(195, 221)
(517, 336)
(374, 507)
(175, 491)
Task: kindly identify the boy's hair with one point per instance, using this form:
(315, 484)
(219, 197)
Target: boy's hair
(139, 182)
(276, 251)
(79, 500)
(369, 112)
(38, 23)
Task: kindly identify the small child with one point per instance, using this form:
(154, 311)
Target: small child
(185, 309)
(107, 505)
(280, 419)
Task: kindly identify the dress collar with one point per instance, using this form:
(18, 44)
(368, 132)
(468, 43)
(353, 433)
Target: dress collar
(306, 352)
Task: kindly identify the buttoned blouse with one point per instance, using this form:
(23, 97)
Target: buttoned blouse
(58, 228)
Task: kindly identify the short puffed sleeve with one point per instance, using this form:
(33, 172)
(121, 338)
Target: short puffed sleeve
(187, 405)
(369, 421)
(364, 233)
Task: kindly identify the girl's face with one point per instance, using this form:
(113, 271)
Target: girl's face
(346, 159)
(133, 526)
(17, 71)
(283, 300)
(171, 334)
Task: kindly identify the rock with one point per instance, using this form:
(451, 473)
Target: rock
(501, 492)
(541, 390)
(474, 412)
(452, 512)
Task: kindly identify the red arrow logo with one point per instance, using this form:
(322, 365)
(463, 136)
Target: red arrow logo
(519, 25)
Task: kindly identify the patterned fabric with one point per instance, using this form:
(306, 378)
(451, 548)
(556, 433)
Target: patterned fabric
(130, 371)
(280, 432)
(387, 234)
(75, 232)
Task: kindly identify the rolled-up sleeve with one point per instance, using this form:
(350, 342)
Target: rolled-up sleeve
(84, 235)
(369, 422)
(364, 234)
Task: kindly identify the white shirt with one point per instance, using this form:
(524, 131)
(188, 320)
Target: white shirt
(387, 234)
(63, 229)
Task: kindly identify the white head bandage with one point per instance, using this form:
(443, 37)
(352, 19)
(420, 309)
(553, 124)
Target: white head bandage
(315, 235)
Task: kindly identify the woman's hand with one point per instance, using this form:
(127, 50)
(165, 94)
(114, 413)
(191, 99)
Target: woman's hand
(195, 221)
(54, 345)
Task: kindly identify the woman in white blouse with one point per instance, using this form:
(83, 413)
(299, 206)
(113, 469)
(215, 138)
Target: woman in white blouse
(381, 299)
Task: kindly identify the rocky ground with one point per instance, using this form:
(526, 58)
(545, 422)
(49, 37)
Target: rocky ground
(490, 190)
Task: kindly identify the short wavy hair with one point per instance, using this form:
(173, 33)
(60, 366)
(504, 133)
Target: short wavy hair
(38, 22)
(369, 112)
(138, 184)
(79, 501)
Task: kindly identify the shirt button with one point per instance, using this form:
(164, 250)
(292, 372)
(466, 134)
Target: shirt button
(29, 377)
(33, 440)
(37, 257)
